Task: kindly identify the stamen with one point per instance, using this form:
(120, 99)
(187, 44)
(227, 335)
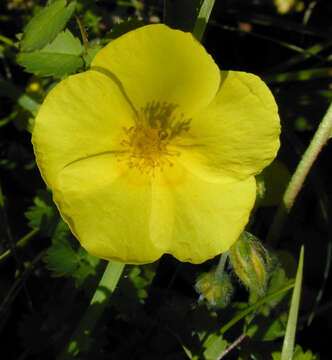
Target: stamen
(145, 144)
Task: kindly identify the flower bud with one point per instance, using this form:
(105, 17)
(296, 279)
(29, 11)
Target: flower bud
(251, 262)
(215, 288)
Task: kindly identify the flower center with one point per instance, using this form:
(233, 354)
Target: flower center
(146, 144)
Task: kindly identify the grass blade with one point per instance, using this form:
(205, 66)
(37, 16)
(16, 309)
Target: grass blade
(203, 19)
(289, 339)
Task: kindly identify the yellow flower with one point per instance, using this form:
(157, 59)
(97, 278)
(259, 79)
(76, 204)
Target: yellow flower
(154, 150)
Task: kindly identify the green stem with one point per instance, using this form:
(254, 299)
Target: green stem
(253, 307)
(8, 41)
(20, 243)
(318, 141)
(80, 338)
(203, 19)
(221, 265)
(83, 32)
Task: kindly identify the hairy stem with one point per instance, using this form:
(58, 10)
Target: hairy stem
(318, 141)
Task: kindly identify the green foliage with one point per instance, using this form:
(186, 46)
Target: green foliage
(154, 311)
(269, 321)
(214, 345)
(59, 58)
(44, 27)
(63, 260)
(299, 354)
(43, 215)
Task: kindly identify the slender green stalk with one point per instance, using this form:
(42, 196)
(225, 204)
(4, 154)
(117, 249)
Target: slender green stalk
(8, 41)
(83, 32)
(20, 243)
(203, 19)
(253, 307)
(318, 141)
(221, 265)
(289, 339)
(80, 338)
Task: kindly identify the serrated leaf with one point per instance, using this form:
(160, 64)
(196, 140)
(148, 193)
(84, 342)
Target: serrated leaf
(65, 43)
(61, 232)
(43, 214)
(44, 27)
(59, 58)
(61, 259)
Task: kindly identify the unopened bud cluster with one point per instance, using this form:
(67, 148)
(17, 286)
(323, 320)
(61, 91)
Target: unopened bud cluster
(215, 288)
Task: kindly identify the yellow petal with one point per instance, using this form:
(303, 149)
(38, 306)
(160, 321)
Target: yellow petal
(156, 63)
(81, 117)
(197, 219)
(107, 209)
(238, 133)
(123, 215)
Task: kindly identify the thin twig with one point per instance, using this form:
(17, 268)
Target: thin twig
(232, 346)
(83, 32)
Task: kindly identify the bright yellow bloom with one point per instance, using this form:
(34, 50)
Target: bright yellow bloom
(154, 150)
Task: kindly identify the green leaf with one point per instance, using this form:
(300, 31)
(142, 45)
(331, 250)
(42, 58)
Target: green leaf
(43, 215)
(65, 43)
(215, 345)
(63, 260)
(59, 58)
(44, 27)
